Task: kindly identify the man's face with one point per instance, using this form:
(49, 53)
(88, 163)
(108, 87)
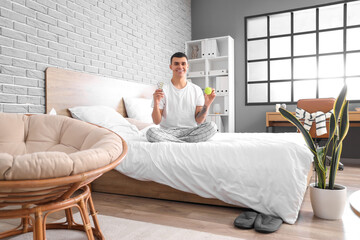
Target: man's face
(179, 66)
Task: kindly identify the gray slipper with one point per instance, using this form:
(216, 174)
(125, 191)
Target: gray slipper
(267, 224)
(245, 220)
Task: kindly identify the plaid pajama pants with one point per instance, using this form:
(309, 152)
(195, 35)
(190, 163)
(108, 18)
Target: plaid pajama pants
(200, 133)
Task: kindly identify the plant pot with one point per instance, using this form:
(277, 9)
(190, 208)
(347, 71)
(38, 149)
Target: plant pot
(327, 203)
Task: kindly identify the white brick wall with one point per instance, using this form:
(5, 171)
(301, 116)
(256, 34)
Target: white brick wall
(126, 39)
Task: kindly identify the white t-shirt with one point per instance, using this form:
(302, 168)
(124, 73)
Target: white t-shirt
(179, 105)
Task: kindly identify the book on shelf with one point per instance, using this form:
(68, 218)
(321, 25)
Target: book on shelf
(209, 48)
(214, 51)
(222, 85)
(226, 105)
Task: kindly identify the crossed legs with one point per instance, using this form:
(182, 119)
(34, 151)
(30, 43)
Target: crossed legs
(200, 133)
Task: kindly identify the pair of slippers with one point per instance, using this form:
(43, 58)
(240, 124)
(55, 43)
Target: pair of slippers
(260, 222)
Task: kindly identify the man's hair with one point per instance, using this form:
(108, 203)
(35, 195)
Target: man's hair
(178, 55)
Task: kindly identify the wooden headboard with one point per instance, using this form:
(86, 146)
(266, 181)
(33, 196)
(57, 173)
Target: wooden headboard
(67, 88)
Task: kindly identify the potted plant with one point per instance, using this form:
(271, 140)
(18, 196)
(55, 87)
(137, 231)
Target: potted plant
(327, 199)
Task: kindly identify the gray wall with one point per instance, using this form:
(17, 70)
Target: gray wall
(214, 18)
(125, 39)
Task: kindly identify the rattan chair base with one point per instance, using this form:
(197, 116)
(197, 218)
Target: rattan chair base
(34, 217)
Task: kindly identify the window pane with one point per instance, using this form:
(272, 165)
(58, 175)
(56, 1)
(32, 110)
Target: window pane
(280, 69)
(257, 71)
(331, 66)
(257, 49)
(286, 61)
(280, 47)
(331, 41)
(304, 44)
(280, 92)
(330, 87)
(353, 64)
(257, 27)
(305, 68)
(353, 92)
(353, 17)
(353, 39)
(280, 24)
(304, 20)
(331, 16)
(304, 89)
(257, 92)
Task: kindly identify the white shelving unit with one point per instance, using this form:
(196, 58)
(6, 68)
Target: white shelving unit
(211, 64)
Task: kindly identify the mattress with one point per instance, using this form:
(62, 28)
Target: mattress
(263, 171)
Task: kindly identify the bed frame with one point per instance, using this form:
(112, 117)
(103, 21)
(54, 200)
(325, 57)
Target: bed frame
(66, 88)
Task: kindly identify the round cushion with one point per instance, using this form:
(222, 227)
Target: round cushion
(47, 146)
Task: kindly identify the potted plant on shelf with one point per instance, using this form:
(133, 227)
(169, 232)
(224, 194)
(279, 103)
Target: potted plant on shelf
(327, 199)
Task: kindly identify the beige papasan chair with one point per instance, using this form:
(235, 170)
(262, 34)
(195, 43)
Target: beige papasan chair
(46, 165)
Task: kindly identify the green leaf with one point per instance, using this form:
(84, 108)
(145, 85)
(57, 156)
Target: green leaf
(339, 103)
(321, 170)
(321, 176)
(321, 154)
(332, 127)
(291, 118)
(340, 129)
(334, 165)
(344, 122)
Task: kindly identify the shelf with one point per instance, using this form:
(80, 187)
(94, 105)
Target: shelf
(220, 58)
(216, 62)
(216, 114)
(196, 60)
(213, 75)
(221, 94)
(212, 59)
(194, 42)
(217, 75)
(198, 76)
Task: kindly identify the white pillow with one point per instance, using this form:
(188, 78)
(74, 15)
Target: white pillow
(139, 124)
(52, 112)
(139, 109)
(105, 117)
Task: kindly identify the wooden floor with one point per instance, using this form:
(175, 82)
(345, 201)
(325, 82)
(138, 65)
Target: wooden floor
(219, 220)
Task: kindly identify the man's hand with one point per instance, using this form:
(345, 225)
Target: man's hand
(201, 112)
(209, 98)
(157, 113)
(158, 95)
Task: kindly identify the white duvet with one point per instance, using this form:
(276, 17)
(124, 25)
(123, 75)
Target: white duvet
(263, 171)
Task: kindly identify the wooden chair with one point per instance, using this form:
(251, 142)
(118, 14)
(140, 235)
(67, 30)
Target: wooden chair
(317, 104)
(34, 199)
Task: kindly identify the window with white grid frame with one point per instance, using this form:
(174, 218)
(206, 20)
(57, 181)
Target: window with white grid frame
(303, 53)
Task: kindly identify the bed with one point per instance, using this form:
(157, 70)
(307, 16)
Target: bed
(268, 172)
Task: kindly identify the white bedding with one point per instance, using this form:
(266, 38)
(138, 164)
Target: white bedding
(263, 171)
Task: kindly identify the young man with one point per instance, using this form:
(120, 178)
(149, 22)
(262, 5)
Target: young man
(181, 108)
